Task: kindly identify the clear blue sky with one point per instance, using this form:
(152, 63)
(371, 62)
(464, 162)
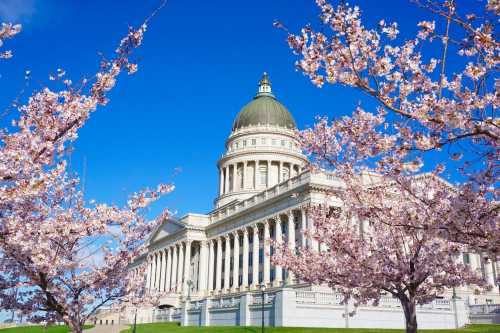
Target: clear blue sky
(199, 64)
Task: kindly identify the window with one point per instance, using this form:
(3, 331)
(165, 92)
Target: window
(285, 174)
(283, 143)
(244, 143)
(263, 141)
(290, 144)
(239, 172)
(274, 142)
(236, 144)
(263, 175)
(254, 142)
(466, 258)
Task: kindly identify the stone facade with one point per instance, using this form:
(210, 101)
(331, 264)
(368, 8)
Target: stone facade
(214, 266)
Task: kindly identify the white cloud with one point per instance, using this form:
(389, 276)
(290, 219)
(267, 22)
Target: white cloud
(16, 10)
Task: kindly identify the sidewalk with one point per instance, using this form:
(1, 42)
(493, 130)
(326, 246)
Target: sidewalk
(106, 329)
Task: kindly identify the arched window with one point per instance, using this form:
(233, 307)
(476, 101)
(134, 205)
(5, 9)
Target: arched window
(285, 173)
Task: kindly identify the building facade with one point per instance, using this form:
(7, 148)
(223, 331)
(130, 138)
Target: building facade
(216, 268)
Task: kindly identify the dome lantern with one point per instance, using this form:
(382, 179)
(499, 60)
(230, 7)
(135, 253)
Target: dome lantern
(264, 86)
(264, 109)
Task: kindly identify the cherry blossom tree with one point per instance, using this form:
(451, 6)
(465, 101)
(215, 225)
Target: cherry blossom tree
(436, 93)
(435, 98)
(66, 257)
(366, 249)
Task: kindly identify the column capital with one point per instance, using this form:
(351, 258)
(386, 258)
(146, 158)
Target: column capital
(255, 228)
(204, 243)
(235, 233)
(245, 230)
(227, 236)
(290, 213)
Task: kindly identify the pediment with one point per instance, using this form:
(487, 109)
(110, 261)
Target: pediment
(165, 229)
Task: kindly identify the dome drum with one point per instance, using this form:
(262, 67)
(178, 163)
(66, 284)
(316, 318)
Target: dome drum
(262, 150)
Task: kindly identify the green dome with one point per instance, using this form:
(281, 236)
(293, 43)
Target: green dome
(264, 109)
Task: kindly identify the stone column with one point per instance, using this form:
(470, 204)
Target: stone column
(187, 267)
(149, 272)
(180, 267)
(255, 175)
(226, 179)
(488, 271)
(233, 188)
(173, 279)
(211, 262)
(244, 280)
(303, 226)
(204, 263)
(255, 257)
(157, 268)
(278, 270)
(291, 241)
(218, 275)
(244, 173)
(314, 243)
(163, 269)
(236, 260)
(169, 269)
(267, 252)
(227, 262)
(221, 181)
(268, 174)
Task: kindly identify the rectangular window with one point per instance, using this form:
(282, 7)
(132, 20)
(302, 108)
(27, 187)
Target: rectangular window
(274, 142)
(263, 141)
(263, 175)
(244, 143)
(466, 258)
(254, 142)
(283, 143)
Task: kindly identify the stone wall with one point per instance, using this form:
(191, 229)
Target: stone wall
(298, 308)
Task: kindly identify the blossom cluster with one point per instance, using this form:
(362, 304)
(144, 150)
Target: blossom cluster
(62, 258)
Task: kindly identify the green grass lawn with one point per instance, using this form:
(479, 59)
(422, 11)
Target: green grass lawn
(174, 328)
(38, 329)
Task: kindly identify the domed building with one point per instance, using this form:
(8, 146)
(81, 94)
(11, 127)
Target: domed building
(216, 269)
(262, 149)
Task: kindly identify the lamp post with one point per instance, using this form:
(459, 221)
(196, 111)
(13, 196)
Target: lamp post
(262, 290)
(134, 330)
(190, 287)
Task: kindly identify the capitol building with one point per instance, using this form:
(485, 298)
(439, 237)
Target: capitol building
(216, 269)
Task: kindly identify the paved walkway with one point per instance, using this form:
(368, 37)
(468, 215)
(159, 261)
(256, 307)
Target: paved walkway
(106, 329)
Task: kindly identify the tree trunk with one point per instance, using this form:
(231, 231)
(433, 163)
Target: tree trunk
(75, 328)
(410, 311)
